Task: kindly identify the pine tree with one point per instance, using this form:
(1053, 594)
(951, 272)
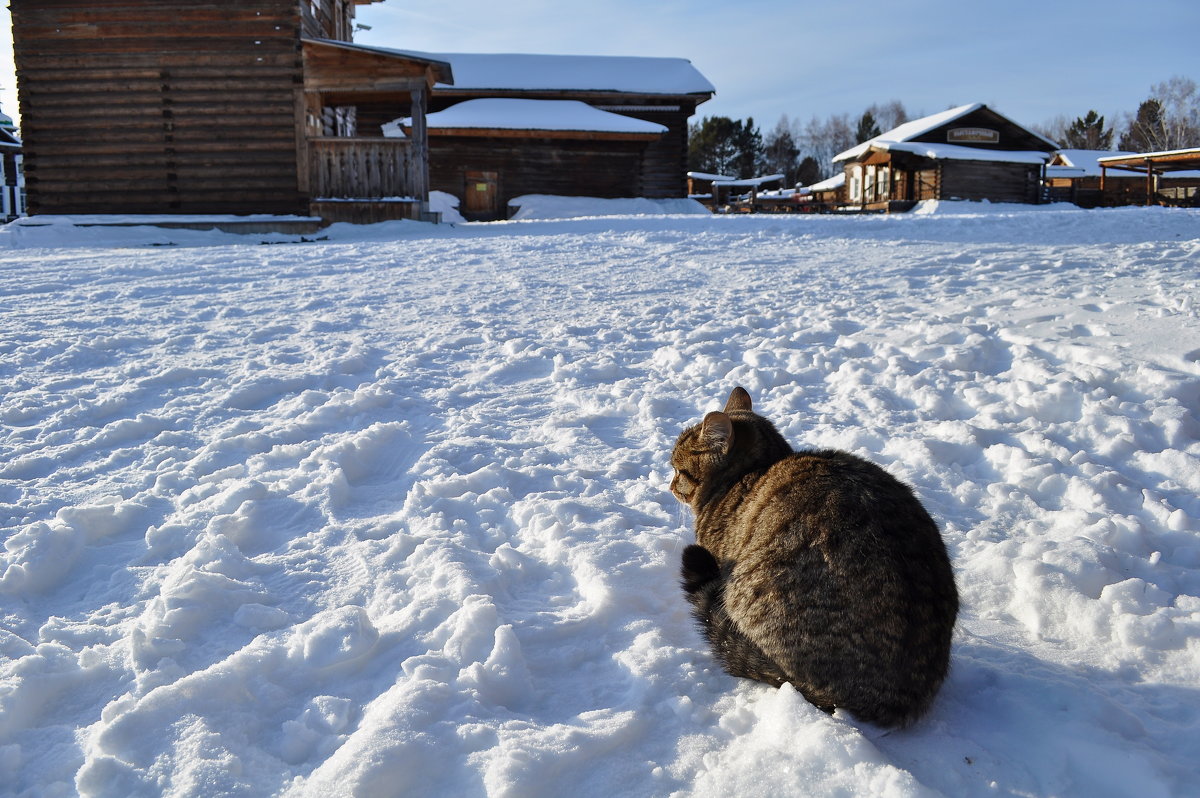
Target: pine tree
(867, 128)
(723, 146)
(711, 145)
(808, 172)
(749, 143)
(780, 153)
(1088, 133)
(1147, 131)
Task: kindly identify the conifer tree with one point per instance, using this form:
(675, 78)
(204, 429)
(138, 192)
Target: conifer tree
(808, 172)
(1147, 131)
(1088, 133)
(867, 128)
(780, 153)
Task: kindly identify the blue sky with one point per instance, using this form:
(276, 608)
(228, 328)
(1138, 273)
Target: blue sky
(1030, 59)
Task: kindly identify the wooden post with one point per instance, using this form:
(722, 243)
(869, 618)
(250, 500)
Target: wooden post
(1149, 181)
(420, 147)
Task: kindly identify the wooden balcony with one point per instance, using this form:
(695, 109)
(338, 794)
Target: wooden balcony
(366, 180)
(365, 169)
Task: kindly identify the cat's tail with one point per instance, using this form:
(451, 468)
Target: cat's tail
(700, 575)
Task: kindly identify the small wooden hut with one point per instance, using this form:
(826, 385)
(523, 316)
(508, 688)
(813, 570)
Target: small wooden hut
(197, 107)
(968, 153)
(493, 150)
(661, 91)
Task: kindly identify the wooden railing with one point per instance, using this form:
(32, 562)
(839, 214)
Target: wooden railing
(364, 168)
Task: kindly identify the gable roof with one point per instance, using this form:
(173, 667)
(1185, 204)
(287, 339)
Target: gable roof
(905, 134)
(599, 73)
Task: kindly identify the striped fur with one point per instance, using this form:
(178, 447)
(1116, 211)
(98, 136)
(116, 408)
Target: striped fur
(815, 567)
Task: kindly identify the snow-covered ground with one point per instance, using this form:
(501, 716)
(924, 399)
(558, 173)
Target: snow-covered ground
(386, 514)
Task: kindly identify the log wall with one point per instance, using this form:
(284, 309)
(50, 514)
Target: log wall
(995, 182)
(160, 107)
(538, 166)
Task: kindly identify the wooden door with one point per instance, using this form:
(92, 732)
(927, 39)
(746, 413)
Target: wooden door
(482, 194)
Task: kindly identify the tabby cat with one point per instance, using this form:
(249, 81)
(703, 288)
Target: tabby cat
(816, 568)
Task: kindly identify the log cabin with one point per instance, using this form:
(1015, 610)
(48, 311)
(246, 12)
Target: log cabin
(967, 153)
(205, 107)
(643, 156)
(490, 151)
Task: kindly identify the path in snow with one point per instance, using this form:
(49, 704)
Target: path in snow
(388, 514)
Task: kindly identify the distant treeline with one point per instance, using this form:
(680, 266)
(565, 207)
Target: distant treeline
(1168, 119)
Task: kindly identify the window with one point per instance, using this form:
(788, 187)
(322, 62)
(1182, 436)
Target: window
(856, 183)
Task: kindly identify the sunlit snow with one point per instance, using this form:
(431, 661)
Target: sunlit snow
(386, 513)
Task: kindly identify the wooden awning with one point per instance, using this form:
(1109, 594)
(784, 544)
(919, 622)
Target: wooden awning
(1158, 162)
(345, 67)
(877, 157)
(1151, 164)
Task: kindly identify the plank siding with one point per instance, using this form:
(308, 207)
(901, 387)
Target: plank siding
(170, 106)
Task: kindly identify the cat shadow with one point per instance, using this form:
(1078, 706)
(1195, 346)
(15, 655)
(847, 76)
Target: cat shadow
(1010, 723)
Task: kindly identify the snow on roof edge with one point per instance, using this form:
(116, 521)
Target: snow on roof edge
(917, 127)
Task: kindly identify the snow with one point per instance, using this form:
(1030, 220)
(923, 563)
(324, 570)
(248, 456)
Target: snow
(547, 206)
(516, 114)
(959, 153)
(387, 513)
(531, 71)
(829, 183)
(748, 182)
(1082, 163)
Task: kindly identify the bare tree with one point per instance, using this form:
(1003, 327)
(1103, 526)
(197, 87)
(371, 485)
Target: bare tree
(1168, 120)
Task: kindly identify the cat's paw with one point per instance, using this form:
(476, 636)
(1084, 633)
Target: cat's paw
(698, 569)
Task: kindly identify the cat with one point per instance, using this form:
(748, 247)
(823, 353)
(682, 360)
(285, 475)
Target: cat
(816, 568)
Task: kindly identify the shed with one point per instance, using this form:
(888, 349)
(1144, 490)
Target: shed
(663, 91)
(970, 152)
(494, 149)
(214, 108)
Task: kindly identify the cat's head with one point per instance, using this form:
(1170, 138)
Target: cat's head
(728, 443)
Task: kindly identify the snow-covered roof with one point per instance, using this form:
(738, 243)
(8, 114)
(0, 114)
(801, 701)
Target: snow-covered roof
(520, 114)
(956, 152)
(1080, 163)
(531, 72)
(829, 184)
(707, 176)
(749, 182)
(919, 127)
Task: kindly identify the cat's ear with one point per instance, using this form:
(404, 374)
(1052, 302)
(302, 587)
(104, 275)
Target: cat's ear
(739, 399)
(717, 431)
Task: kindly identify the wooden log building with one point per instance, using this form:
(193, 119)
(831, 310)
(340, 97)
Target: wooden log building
(966, 153)
(205, 107)
(647, 157)
(492, 150)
